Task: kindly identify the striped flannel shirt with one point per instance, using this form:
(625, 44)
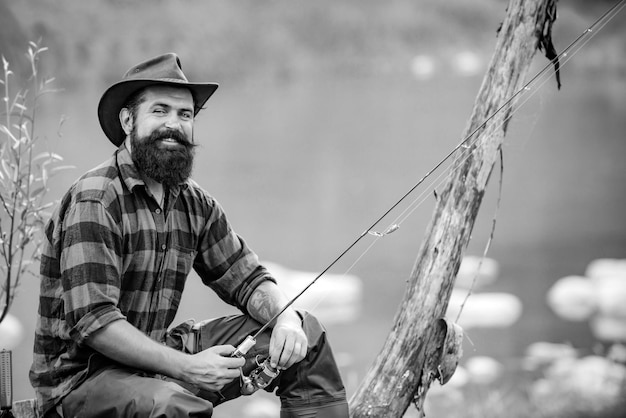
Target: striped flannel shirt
(112, 253)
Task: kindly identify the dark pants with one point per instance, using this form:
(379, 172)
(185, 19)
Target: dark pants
(116, 390)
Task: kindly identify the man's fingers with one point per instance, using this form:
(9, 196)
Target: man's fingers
(230, 374)
(276, 349)
(220, 355)
(234, 362)
(285, 355)
(287, 347)
(300, 350)
(231, 362)
(293, 351)
(223, 350)
(297, 354)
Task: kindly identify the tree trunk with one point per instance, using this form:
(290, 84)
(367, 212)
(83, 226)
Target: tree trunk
(407, 364)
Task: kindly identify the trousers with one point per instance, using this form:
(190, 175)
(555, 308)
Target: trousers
(121, 391)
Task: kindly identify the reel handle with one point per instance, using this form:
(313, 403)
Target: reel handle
(260, 377)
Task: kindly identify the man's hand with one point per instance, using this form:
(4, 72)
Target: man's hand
(288, 344)
(213, 368)
(210, 369)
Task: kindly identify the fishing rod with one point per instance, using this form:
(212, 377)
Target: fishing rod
(264, 373)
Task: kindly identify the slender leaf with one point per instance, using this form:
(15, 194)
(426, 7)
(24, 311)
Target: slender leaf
(45, 206)
(6, 131)
(56, 169)
(7, 168)
(47, 155)
(36, 192)
(44, 175)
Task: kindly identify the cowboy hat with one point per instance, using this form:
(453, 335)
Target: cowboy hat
(162, 70)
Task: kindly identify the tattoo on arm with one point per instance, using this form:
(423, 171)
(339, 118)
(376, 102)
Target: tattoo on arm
(262, 305)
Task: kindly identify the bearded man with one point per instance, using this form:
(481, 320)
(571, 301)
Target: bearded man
(116, 256)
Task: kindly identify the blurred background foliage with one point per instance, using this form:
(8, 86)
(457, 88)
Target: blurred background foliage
(273, 40)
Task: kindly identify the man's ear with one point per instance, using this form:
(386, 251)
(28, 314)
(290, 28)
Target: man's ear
(126, 120)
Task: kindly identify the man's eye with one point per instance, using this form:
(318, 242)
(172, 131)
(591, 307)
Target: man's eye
(160, 111)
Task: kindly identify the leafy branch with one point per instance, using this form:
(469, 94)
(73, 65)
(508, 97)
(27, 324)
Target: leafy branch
(24, 176)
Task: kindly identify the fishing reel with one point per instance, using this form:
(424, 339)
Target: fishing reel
(261, 376)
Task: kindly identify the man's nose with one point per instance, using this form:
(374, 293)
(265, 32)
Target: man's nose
(173, 123)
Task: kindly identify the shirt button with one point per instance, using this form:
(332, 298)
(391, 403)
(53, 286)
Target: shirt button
(163, 247)
(157, 211)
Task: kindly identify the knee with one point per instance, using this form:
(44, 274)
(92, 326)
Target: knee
(172, 400)
(313, 328)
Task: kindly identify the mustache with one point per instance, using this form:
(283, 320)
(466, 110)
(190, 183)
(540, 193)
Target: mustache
(174, 134)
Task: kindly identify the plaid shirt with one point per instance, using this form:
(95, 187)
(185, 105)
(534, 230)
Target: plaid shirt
(111, 252)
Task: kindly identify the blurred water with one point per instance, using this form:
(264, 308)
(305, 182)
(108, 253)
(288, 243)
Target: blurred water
(303, 168)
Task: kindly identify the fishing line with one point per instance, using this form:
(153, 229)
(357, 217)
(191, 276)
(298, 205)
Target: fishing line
(493, 225)
(466, 150)
(589, 33)
(534, 85)
(543, 73)
(465, 154)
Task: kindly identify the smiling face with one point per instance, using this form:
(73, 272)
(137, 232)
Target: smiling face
(165, 107)
(159, 123)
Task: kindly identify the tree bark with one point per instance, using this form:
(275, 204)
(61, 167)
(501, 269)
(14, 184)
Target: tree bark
(407, 363)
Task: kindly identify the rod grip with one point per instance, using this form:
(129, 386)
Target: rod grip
(245, 346)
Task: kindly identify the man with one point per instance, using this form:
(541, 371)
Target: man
(116, 256)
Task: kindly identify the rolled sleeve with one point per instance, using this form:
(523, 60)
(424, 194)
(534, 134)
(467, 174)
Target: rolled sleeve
(225, 262)
(249, 286)
(93, 321)
(90, 269)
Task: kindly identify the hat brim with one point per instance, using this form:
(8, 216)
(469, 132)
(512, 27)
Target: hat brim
(116, 96)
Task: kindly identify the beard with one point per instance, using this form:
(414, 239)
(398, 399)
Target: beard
(167, 165)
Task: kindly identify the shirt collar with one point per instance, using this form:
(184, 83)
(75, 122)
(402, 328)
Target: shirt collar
(128, 172)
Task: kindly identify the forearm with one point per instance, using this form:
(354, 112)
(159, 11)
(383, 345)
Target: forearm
(266, 301)
(288, 343)
(210, 369)
(122, 342)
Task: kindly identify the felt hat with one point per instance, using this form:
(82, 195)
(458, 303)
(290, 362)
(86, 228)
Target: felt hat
(161, 70)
